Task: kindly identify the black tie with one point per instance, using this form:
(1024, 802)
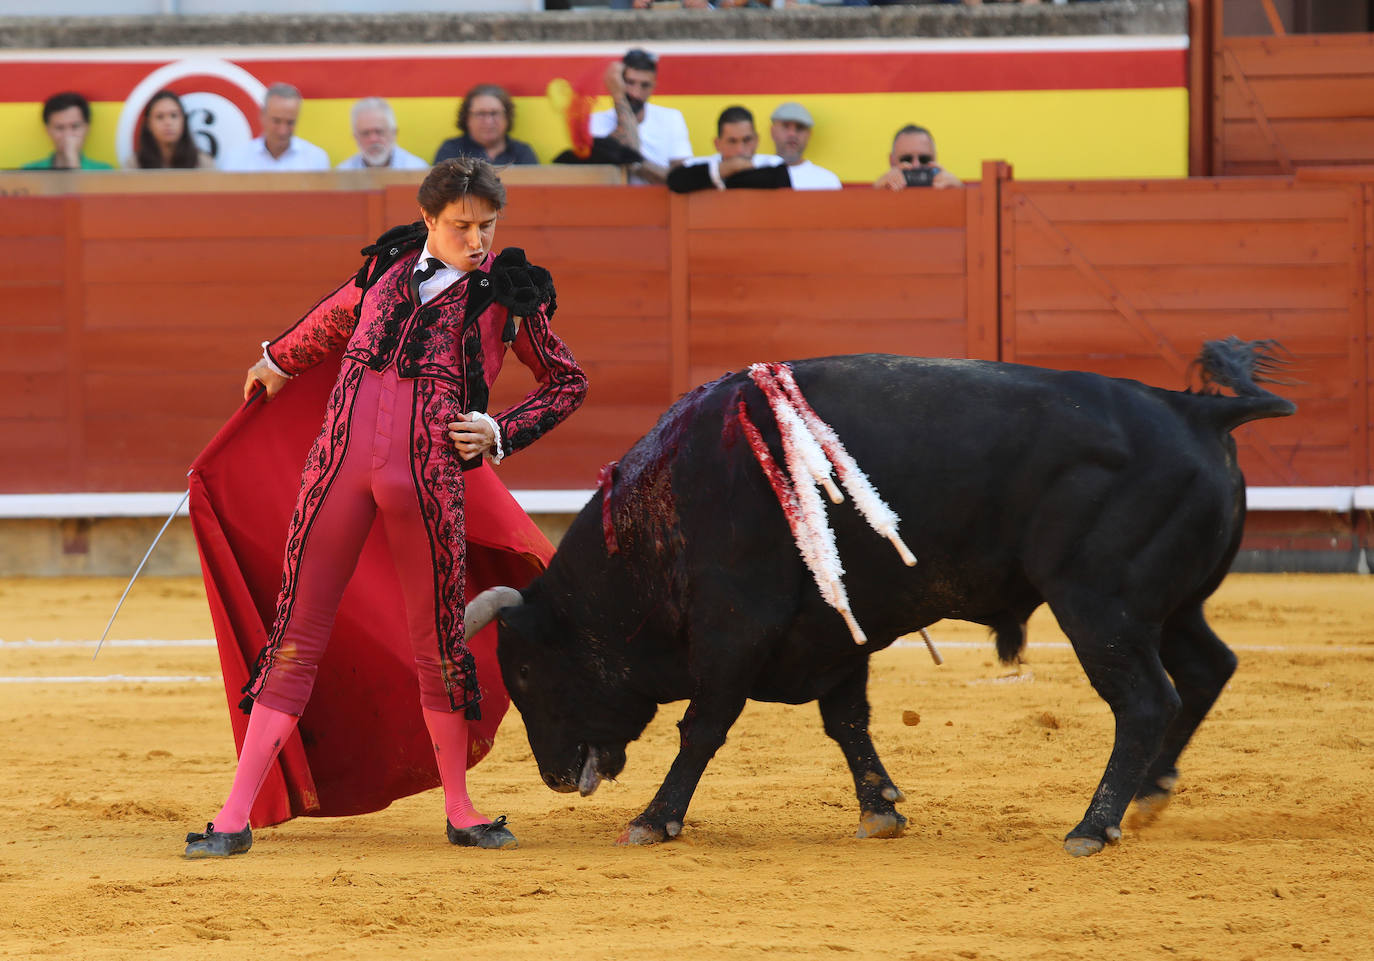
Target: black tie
(432, 264)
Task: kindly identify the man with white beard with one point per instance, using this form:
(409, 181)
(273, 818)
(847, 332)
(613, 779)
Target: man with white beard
(374, 128)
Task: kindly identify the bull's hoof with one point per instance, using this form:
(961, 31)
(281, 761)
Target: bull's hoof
(876, 825)
(636, 833)
(1082, 847)
(1147, 810)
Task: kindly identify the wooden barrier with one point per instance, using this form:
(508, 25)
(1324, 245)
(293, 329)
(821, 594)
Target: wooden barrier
(1285, 102)
(130, 320)
(1128, 279)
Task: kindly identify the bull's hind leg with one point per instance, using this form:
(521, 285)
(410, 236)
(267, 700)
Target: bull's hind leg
(1200, 665)
(845, 714)
(1119, 654)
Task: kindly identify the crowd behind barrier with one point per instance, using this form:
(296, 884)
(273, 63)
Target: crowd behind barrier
(649, 141)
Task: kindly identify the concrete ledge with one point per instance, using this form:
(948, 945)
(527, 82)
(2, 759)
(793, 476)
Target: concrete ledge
(159, 504)
(1111, 17)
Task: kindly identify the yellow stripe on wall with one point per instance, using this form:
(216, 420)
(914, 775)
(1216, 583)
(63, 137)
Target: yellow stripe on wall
(1046, 135)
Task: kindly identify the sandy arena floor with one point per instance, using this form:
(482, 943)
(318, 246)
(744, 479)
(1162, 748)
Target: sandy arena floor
(1266, 852)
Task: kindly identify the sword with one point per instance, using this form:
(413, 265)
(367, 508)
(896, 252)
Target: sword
(139, 570)
(258, 391)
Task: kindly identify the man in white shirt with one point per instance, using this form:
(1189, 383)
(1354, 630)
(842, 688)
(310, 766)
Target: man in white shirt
(374, 128)
(736, 144)
(791, 132)
(278, 148)
(658, 133)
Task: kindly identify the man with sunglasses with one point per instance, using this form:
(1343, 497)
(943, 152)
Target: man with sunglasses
(912, 163)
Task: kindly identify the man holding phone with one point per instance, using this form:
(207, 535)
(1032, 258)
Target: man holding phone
(912, 163)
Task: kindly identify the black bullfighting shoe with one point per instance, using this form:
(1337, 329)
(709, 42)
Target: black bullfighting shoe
(493, 835)
(218, 844)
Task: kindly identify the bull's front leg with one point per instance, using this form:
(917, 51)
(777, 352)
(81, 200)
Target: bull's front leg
(702, 731)
(845, 714)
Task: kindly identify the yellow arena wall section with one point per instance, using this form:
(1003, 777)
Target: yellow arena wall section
(1056, 108)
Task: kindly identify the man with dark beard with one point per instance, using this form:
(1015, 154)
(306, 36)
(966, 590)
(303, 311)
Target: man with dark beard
(658, 133)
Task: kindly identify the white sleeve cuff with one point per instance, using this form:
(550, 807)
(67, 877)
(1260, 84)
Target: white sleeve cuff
(270, 364)
(713, 168)
(478, 415)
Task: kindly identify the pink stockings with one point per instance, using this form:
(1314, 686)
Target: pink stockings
(268, 730)
(449, 732)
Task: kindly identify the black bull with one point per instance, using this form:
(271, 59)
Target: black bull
(1118, 504)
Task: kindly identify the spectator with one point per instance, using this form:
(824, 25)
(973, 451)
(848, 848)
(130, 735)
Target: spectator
(278, 148)
(736, 146)
(485, 118)
(658, 133)
(164, 137)
(67, 117)
(374, 129)
(912, 163)
(791, 132)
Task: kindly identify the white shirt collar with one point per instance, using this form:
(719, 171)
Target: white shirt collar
(443, 278)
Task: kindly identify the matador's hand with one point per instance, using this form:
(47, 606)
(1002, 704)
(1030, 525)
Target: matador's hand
(260, 373)
(472, 438)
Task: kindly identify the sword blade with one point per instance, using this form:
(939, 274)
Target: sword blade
(139, 570)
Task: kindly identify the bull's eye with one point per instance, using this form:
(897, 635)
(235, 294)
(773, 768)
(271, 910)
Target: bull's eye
(524, 671)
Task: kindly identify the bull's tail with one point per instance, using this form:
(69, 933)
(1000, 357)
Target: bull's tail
(1242, 366)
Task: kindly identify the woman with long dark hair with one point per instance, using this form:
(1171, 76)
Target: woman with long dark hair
(164, 137)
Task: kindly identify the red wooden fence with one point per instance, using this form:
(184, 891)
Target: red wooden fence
(129, 320)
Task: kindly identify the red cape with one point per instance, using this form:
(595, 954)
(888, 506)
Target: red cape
(361, 743)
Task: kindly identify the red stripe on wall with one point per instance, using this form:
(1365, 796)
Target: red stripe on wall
(783, 74)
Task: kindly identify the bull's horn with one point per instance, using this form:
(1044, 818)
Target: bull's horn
(482, 609)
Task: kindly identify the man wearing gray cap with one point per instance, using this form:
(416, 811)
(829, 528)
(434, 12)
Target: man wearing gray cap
(791, 131)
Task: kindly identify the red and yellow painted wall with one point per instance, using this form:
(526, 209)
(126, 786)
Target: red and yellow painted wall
(1056, 108)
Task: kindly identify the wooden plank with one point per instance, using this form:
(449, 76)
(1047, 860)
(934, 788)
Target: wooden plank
(337, 213)
(1362, 345)
(820, 299)
(1287, 98)
(732, 346)
(1201, 47)
(110, 400)
(37, 394)
(680, 306)
(626, 295)
(1336, 54)
(982, 256)
(36, 349)
(1227, 243)
(29, 218)
(319, 263)
(605, 250)
(1186, 201)
(1305, 465)
(73, 309)
(1349, 140)
(853, 252)
(261, 309)
(32, 307)
(857, 209)
(585, 207)
(28, 261)
(1187, 288)
(35, 454)
(1254, 111)
(1069, 332)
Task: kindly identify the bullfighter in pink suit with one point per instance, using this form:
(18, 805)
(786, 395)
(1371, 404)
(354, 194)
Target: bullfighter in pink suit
(427, 329)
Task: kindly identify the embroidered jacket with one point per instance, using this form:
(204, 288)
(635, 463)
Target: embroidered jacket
(455, 340)
(453, 347)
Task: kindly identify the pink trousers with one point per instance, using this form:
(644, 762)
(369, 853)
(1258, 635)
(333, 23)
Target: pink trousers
(374, 478)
